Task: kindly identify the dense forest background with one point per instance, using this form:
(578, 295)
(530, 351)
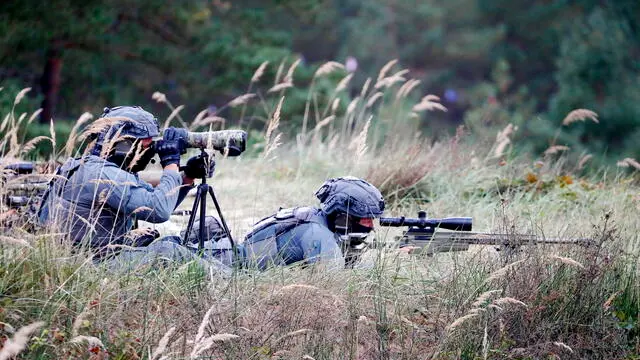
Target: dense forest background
(492, 62)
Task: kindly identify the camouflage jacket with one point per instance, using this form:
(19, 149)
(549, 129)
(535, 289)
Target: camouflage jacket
(96, 203)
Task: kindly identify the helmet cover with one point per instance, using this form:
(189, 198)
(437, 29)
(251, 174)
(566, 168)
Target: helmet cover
(134, 123)
(352, 196)
(142, 123)
(139, 124)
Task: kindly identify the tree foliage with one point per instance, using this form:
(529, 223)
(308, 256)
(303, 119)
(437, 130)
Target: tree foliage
(527, 62)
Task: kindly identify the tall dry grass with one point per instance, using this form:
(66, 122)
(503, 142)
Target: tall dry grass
(539, 302)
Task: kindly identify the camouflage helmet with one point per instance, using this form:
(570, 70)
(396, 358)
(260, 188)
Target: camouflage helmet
(139, 123)
(352, 196)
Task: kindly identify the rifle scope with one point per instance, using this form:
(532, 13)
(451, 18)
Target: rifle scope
(456, 223)
(21, 168)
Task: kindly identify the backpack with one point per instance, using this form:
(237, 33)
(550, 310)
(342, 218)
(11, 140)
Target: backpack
(57, 183)
(281, 222)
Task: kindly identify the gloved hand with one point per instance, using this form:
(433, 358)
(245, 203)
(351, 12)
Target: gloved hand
(142, 238)
(176, 134)
(169, 152)
(198, 167)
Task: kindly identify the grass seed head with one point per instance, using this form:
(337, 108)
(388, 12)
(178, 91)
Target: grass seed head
(293, 287)
(406, 88)
(563, 346)
(352, 105)
(90, 340)
(222, 337)
(34, 116)
(429, 103)
(372, 100)
(21, 96)
(242, 99)
(584, 160)
(461, 320)
(18, 342)
(580, 115)
(509, 300)
(281, 86)
(159, 97)
(259, 72)
(383, 71)
(344, 83)
(289, 76)
(365, 87)
(555, 149)
(31, 144)
(567, 261)
(328, 68)
(626, 162)
(162, 345)
(498, 274)
(335, 104)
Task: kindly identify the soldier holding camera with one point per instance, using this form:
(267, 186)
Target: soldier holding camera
(96, 199)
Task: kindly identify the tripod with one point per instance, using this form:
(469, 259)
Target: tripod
(204, 190)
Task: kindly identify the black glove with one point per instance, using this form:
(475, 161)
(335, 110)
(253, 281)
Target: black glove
(142, 239)
(176, 134)
(169, 152)
(172, 145)
(198, 167)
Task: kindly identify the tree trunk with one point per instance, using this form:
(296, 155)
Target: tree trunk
(50, 82)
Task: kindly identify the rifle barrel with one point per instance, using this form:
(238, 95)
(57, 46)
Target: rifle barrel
(480, 238)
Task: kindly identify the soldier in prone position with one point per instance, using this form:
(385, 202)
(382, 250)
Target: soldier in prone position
(96, 199)
(302, 234)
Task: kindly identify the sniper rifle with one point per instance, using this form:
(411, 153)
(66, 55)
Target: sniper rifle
(424, 234)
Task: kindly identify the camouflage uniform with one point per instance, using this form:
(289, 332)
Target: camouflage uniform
(97, 202)
(302, 234)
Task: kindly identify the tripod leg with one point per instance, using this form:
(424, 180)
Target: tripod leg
(203, 215)
(192, 218)
(224, 223)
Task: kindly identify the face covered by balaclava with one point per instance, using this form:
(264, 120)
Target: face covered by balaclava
(128, 141)
(131, 155)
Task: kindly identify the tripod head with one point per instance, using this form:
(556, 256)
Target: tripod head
(200, 166)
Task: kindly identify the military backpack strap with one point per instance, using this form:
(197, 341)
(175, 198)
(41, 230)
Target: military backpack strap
(284, 220)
